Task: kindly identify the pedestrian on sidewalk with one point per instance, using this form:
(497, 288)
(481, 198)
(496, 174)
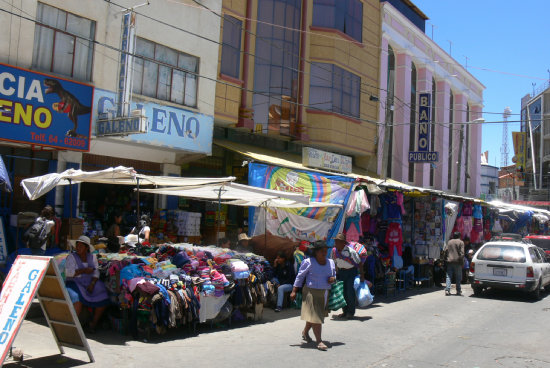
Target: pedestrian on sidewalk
(315, 277)
(348, 265)
(454, 255)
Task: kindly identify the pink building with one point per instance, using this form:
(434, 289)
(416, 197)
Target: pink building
(412, 64)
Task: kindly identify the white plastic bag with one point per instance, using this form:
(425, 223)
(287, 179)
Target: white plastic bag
(364, 297)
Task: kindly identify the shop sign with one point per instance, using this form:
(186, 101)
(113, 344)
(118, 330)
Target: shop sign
(126, 62)
(17, 293)
(43, 110)
(122, 126)
(520, 149)
(167, 126)
(313, 157)
(424, 111)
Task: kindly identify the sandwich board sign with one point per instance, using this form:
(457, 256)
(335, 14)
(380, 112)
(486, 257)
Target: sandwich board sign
(30, 276)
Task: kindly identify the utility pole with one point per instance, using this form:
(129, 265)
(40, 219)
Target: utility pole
(460, 145)
(386, 146)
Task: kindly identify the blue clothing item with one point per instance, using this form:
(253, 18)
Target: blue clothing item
(456, 271)
(164, 293)
(390, 209)
(131, 271)
(37, 251)
(348, 277)
(478, 212)
(281, 290)
(313, 275)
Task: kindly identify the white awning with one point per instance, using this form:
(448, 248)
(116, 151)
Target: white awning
(40, 185)
(239, 193)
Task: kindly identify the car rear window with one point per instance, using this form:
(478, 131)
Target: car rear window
(541, 242)
(502, 253)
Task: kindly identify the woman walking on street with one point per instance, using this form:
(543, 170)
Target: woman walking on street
(316, 274)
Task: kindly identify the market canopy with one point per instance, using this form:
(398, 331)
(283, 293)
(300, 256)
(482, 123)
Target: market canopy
(240, 195)
(40, 185)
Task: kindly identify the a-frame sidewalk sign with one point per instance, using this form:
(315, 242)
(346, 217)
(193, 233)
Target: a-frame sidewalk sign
(40, 276)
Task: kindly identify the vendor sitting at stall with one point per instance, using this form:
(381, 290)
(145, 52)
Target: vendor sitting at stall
(283, 279)
(242, 245)
(82, 281)
(142, 230)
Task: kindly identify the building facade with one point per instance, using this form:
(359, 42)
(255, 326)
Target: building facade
(56, 49)
(489, 179)
(300, 73)
(535, 129)
(411, 64)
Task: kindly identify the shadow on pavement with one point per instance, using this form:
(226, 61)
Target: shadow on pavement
(508, 295)
(58, 361)
(313, 346)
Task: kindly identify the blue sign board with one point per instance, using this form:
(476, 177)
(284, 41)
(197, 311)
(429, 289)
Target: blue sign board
(423, 156)
(168, 126)
(44, 110)
(424, 111)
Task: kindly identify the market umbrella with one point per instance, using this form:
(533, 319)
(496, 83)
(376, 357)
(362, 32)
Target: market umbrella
(5, 184)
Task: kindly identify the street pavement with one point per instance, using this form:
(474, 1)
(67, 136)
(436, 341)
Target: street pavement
(417, 328)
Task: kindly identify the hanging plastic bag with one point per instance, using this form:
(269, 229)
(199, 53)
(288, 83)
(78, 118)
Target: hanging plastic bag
(297, 303)
(364, 296)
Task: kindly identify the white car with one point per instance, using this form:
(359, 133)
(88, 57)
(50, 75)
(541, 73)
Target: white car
(509, 264)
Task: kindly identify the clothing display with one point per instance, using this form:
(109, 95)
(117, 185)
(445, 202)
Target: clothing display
(394, 238)
(173, 285)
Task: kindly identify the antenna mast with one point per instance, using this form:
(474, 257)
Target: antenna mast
(504, 149)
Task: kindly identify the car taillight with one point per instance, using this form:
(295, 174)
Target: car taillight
(472, 267)
(530, 272)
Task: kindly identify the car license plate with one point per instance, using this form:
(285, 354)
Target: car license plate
(499, 271)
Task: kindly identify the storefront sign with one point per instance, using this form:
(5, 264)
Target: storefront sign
(43, 110)
(17, 293)
(126, 63)
(326, 160)
(168, 126)
(424, 112)
(520, 149)
(121, 126)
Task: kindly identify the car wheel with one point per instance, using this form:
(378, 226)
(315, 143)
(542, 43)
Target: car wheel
(537, 293)
(477, 290)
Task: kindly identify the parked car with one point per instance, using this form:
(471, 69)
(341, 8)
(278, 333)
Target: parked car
(541, 241)
(510, 264)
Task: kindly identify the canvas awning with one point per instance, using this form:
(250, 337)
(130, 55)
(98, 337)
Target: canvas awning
(40, 185)
(237, 194)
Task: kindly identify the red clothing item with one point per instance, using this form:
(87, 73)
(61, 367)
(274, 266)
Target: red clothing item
(394, 238)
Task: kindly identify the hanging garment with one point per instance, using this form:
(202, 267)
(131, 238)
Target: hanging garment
(394, 238)
(374, 205)
(357, 203)
(390, 209)
(467, 209)
(478, 212)
(365, 222)
(400, 202)
(353, 228)
(468, 226)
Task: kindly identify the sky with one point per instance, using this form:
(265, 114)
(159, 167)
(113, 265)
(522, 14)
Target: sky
(506, 43)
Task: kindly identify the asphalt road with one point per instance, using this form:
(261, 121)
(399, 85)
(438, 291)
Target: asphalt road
(418, 328)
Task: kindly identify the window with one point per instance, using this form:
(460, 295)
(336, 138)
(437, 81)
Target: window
(502, 253)
(412, 120)
(334, 89)
(162, 73)
(450, 158)
(231, 47)
(277, 59)
(343, 15)
(61, 45)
